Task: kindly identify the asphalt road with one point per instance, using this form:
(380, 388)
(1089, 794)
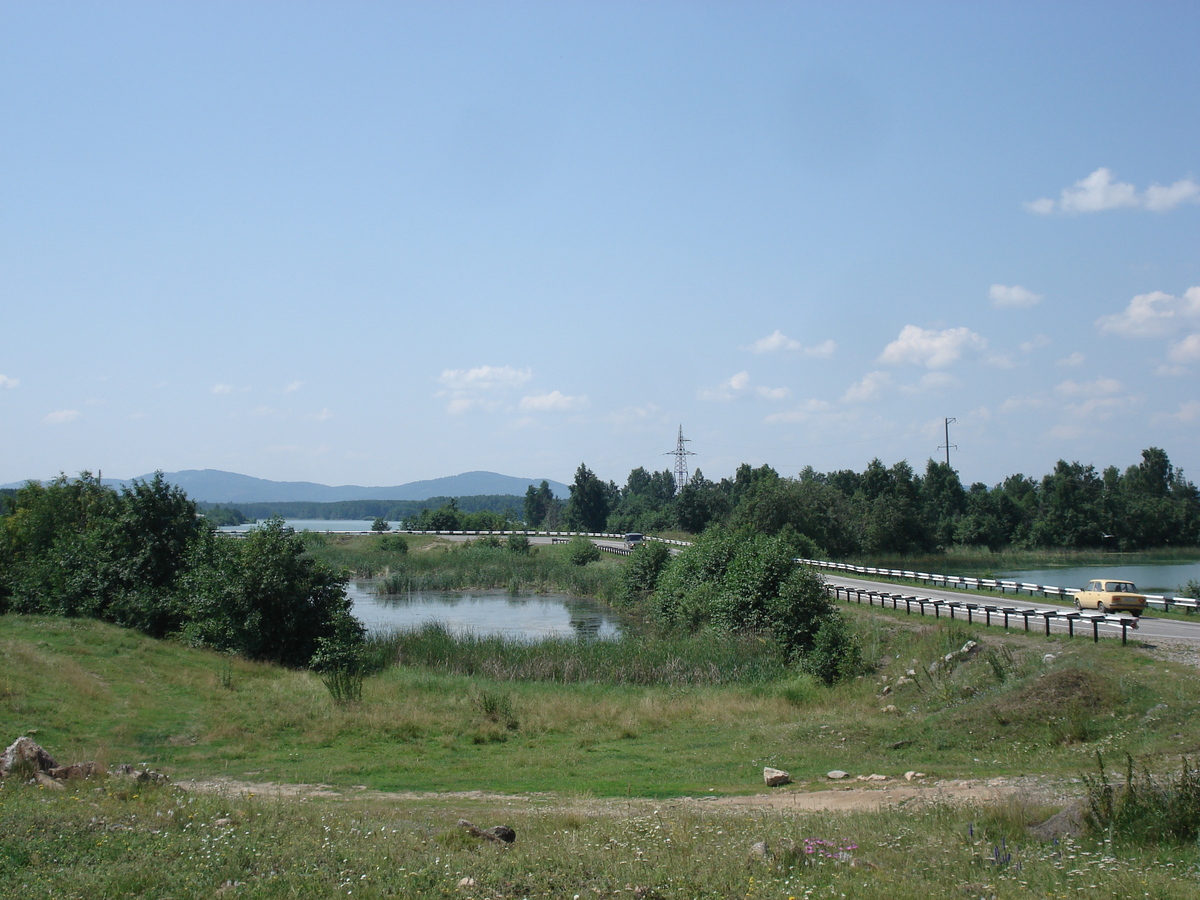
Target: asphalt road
(1149, 626)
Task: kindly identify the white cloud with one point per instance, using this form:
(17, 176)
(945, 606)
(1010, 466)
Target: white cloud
(1014, 297)
(1154, 315)
(6, 382)
(1035, 343)
(1099, 191)
(770, 393)
(1186, 351)
(1000, 361)
(324, 415)
(555, 401)
(823, 350)
(485, 378)
(1159, 198)
(774, 342)
(871, 385)
(802, 413)
(61, 417)
(292, 387)
(936, 381)
(1075, 359)
(778, 341)
(229, 389)
(1189, 411)
(1098, 387)
(931, 349)
(483, 387)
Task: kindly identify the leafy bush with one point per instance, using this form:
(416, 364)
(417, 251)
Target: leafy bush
(642, 570)
(836, 653)
(581, 551)
(519, 544)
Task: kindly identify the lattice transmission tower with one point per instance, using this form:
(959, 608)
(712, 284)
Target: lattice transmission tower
(681, 453)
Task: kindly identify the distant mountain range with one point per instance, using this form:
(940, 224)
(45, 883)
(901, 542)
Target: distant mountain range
(215, 486)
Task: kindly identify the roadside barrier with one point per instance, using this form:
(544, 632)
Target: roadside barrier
(1064, 619)
(961, 582)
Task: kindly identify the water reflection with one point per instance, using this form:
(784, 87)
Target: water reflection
(486, 612)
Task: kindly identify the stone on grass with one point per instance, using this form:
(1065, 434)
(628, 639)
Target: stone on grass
(836, 775)
(775, 777)
(25, 757)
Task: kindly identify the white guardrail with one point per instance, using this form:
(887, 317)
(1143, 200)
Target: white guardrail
(1061, 618)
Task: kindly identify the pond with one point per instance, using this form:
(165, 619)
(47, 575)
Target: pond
(486, 612)
(1153, 579)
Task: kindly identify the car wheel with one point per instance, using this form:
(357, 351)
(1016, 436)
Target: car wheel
(1137, 613)
(1077, 605)
(1100, 607)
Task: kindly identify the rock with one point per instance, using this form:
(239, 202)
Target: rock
(1066, 823)
(501, 834)
(775, 777)
(872, 778)
(890, 708)
(76, 770)
(46, 781)
(836, 775)
(25, 757)
(760, 850)
(143, 776)
(910, 775)
(887, 689)
(1048, 658)
(466, 882)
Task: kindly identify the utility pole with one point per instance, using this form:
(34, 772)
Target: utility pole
(681, 454)
(946, 446)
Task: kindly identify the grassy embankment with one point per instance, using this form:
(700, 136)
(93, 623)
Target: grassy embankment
(86, 690)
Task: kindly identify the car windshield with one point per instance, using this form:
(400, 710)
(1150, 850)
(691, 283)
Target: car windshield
(1120, 587)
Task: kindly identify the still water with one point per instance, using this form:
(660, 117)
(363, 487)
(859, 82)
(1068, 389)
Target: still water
(313, 525)
(1163, 579)
(485, 612)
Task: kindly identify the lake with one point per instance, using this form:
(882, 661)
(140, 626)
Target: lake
(485, 612)
(313, 525)
(1158, 579)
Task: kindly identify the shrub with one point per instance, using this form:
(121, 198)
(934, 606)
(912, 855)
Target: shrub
(519, 544)
(836, 653)
(640, 576)
(581, 551)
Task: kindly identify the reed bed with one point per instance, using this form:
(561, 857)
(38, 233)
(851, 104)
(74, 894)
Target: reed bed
(645, 659)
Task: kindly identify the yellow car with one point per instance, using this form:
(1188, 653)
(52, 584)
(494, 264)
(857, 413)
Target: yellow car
(1110, 595)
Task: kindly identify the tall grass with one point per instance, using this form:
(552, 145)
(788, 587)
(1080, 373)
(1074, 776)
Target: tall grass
(647, 659)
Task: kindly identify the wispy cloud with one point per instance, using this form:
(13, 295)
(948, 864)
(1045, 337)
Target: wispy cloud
(740, 385)
(483, 387)
(1186, 351)
(61, 416)
(6, 382)
(1014, 297)
(777, 342)
(931, 349)
(229, 389)
(805, 411)
(292, 387)
(555, 401)
(1075, 359)
(868, 388)
(1100, 191)
(1156, 314)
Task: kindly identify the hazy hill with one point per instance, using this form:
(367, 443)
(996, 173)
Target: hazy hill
(215, 486)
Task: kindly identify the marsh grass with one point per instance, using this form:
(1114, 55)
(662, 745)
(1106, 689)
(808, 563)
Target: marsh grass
(1144, 809)
(646, 659)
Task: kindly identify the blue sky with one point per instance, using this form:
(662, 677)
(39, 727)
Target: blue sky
(373, 243)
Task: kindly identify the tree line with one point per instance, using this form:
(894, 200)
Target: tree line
(144, 558)
(894, 510)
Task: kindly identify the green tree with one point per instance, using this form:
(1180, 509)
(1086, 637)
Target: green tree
(265, 598)
(538, 503)
(380, 525)
(587, 510)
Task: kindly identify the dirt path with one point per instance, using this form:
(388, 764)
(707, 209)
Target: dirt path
(853, 797)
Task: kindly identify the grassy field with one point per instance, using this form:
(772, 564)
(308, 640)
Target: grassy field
(591, 755)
